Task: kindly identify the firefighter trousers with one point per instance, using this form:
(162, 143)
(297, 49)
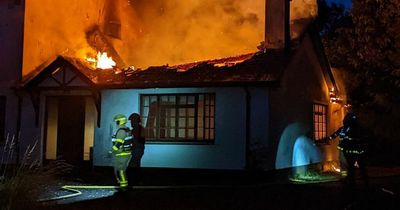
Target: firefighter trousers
(351, 162)
(121, 163)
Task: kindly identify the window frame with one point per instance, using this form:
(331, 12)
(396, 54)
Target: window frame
(177, 106)
(322, 126)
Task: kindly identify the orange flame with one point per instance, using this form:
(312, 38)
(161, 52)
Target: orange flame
(102, 61)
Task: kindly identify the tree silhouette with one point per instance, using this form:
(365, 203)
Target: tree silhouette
(364, 44)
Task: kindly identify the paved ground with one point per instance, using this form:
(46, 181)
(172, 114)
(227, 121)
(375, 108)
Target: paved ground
(181, 189)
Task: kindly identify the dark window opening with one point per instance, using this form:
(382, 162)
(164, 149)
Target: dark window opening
(178, 117)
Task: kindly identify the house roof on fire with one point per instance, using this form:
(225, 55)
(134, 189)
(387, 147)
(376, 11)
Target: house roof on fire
(253, 68)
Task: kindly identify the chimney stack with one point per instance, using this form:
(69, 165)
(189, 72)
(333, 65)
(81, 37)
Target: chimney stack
(277, 28)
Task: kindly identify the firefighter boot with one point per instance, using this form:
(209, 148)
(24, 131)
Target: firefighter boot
(123, 182)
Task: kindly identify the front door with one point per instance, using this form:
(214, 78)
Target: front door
(71, 128)
(65, 129)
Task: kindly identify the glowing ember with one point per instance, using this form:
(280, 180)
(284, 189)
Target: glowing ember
(102, 61)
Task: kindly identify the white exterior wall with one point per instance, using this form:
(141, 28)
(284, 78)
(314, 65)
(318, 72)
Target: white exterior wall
(259, 116)
(228, 152)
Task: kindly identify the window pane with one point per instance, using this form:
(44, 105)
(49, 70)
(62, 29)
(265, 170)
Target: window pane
(150, 132)
(146, 100)
(211, 133)
(190, 99)
(200, 109)
(182, 99)
(191, 133)
(211, 122)
(172, 133)
(172, 121)
(172, 99)
(191, 112)
(153, 99)
(172, 112)
(181, 133)
(151, 122)
(164, 98)
(200, 133)
(182, 122)
(145, 111)
(200, 122)
(182, 112)
(162, 133)
(191, 122)
(212, 99)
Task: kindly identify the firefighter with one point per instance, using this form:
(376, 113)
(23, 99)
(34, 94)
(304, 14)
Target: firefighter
(353, 146)
(122, 149)
(138, 145)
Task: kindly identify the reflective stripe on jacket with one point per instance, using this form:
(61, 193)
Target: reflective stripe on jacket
(122, 146)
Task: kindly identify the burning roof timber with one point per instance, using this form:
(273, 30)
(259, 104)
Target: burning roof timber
(248, 69)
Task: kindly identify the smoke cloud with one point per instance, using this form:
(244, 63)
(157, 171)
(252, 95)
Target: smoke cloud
(148, 32)
(159, 32)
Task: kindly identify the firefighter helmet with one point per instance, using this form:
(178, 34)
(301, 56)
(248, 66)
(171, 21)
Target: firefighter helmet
(134, 118)
(120, 119)
(350, 119)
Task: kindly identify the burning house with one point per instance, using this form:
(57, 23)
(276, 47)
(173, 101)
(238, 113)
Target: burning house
(207, 96)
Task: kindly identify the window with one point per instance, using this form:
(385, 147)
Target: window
(2, 117)
(320, 121)
(179, 117)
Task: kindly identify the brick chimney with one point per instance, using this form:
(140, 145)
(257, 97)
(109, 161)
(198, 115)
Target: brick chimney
(277, 28)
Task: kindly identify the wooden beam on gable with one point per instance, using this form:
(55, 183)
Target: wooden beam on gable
(35, 98)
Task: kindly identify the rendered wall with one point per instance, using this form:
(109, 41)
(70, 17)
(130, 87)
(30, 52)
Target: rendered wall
(30, 132)
(11, 45)
(228, 152)
(302, 85)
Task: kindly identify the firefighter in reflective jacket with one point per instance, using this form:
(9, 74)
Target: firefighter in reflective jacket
(122, 149)
(353, 146)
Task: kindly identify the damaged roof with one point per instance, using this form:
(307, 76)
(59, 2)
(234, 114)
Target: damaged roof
(249, 69)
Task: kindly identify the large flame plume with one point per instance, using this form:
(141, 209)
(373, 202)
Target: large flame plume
(148, 32)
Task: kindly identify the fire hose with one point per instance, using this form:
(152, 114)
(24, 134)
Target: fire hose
(75, 192)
